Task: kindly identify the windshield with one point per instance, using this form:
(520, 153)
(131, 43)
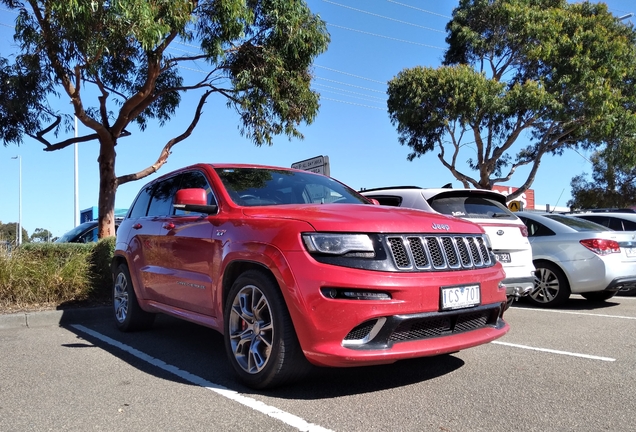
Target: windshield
(578, 224)
(71, 235)
(265, 186)
(470, 207)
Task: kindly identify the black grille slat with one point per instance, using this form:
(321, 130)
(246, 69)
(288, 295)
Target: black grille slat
(419, 253)
(438, 252)
(452, 257)
(361, 331)
(399, 252)
(463, 252)
(435, 326)
(421, 329)
(470, 322)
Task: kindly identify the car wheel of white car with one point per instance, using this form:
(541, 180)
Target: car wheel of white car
(128, 314)
(259, 335)
(599, 295)
(551, 287)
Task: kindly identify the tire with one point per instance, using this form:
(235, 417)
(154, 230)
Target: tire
(128, 314)
(551, 287)
(598, 296)
(260, 340)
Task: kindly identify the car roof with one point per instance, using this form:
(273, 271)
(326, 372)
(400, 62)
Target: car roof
(437, 193)
(551, 221)
(620, 215)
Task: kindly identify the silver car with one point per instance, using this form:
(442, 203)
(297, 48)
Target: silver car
(576, 256)
(617, 221)
(508, 235)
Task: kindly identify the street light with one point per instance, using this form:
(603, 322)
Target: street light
(19, 238)
(76, 211)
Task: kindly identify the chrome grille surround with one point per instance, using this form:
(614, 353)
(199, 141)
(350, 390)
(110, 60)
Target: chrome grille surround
(428, 252)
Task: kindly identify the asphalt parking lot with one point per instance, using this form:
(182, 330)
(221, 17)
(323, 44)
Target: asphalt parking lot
(556, 370)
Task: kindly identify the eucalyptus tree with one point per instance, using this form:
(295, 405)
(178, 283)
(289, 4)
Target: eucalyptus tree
(613, 183)
(520, 79)
(111, 60)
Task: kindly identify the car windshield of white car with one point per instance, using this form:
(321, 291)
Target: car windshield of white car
(264, 186)
(471, 207)
(578, 224)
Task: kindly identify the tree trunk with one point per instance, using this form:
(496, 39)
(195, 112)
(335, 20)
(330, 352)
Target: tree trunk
(107, 188)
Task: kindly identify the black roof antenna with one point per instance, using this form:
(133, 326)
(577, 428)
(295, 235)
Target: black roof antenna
(447, 186)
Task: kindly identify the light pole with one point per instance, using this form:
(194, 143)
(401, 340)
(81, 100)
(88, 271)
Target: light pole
(19, 238)
(76, 194)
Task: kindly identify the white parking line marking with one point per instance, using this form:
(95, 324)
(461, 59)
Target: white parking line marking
(577, 313)
(591, 357)
(256, 405)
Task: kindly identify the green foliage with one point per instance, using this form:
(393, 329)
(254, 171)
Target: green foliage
(55, 273)
(9, 231)
(613, 180)
(111, 60)
(559, 73)
(41, 235)
(263, 48)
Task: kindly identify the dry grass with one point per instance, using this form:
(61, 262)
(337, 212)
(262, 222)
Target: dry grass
(45, 276)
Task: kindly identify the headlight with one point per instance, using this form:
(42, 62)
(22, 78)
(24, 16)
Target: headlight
(337, 244)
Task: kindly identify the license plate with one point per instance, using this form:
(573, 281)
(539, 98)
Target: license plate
(630, 252)
(503, 257)
(462, 296)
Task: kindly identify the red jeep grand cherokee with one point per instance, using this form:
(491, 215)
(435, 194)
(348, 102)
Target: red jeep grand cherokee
(296, 268)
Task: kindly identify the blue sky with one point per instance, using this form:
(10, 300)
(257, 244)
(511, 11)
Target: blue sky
(371, 41)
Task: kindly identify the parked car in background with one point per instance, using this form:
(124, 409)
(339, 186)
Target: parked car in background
(576, 256)
(508, 235)
(295, 268)
(617, 221)
(86, 232)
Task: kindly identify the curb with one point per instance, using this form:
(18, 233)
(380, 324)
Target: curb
(53, 317)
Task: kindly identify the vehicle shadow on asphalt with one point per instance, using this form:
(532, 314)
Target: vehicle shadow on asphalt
(574, 303)
(200, 351)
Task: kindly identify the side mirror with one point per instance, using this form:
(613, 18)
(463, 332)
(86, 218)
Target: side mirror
(374, 201)
(194, 200)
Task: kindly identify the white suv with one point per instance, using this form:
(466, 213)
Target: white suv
(508, 235)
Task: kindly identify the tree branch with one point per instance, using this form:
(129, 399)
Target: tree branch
(166, 151)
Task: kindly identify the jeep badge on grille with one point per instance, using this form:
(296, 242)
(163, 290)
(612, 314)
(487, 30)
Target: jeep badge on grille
(441, 227)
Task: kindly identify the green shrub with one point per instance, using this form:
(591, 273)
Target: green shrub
(56, 273)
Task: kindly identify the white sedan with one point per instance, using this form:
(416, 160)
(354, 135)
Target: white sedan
(575, 256)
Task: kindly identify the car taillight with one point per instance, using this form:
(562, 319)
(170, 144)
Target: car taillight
(524, 230)
(601, 246)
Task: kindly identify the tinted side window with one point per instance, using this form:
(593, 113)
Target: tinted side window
(629, 225)
(386, 200)
(140, 206)
(535, 229)
(162, 195)
(603, 220)
(195, 179)
(88, 237)
(615, 224)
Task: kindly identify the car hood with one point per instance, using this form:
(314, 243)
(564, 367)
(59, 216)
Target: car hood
(366, 218)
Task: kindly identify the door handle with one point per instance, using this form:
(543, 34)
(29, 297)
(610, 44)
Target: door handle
(169, 226)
